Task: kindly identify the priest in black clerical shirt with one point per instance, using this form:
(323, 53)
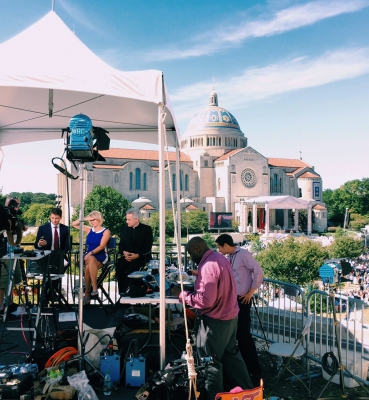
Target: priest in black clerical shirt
(135, 245)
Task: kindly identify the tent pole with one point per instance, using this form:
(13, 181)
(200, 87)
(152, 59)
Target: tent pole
(162, 329)
(81, 296)
(178, 238)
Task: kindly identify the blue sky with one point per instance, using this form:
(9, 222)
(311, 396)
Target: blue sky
(295, 74)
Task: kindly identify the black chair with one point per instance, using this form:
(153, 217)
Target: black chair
(104, 271)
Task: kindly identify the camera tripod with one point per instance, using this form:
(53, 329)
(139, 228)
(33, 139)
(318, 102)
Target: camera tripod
(341, 368)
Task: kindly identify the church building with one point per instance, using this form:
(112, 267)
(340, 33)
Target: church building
(219, 172)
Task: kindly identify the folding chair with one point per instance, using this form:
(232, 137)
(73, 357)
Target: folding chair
(291, 352)
(104, 272)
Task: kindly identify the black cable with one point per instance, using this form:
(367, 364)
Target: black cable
(102, 337)
(330, 363)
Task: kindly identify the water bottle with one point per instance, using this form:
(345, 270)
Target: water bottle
(107, 384)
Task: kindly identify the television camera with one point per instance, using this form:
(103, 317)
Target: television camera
(10, 223)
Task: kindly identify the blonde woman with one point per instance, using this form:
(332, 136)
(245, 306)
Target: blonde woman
(96, 255)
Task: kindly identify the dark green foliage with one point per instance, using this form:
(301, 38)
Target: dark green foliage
(110, 203)
(37, 214)
(353, 195)
(294, 261)
(194, 221)
(209, 240)
(303, 220)
(346, 247)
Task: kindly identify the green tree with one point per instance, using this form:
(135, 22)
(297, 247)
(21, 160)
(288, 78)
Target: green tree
(207, 236)
(110, 203)
(154, 222)
(295, 261)
(353, 195)
(37, 214)
(303, 219)
(346, 247)
(197, 221)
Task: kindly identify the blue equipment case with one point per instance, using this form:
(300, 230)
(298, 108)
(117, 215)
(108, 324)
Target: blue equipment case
(111, 363)
(135, 370)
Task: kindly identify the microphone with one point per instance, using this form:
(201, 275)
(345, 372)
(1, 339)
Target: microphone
(62, 170)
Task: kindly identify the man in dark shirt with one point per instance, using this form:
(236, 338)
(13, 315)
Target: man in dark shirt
(135, 245)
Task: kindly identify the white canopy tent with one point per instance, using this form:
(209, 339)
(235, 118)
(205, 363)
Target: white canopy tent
(47, 75)
(275, 203)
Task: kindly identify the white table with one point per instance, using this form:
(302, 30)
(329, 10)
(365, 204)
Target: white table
(148, 299)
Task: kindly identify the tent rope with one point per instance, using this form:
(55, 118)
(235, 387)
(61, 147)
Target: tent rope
(192, 374)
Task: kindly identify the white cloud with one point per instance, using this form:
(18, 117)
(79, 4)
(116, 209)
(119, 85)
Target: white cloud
(79, 16)
(281, 21)
(256, 84)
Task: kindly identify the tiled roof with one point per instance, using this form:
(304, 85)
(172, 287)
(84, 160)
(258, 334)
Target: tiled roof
(319, 207)
(107, 166)
(134, 154)
(227, 155)
(287, 162)
(191, 207)
(147, 207)
(309, 175)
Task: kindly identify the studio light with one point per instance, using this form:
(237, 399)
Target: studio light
(84, 140)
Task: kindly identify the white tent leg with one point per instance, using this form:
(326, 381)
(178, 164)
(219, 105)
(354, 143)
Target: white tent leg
(162, 330)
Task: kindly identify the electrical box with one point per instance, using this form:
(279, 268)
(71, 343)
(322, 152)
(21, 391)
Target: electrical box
(135, 370)
(111, 363)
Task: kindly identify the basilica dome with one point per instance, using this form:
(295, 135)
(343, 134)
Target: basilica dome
(212, 117)
(212, 131)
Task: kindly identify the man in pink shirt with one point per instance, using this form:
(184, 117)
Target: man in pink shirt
(215, 300)
(248, 276)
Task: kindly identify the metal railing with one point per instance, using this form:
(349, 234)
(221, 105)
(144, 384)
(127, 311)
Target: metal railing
(352, 337)
(282, 309)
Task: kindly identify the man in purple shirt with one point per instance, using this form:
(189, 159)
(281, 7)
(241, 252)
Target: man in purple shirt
(248, 276)
(215, 300)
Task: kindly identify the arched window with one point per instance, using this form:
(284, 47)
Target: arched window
(138, 179)
(130, 181)
(144, 181)
(186, 182)
(180, 180)
(116, 179)
(275, 181)
(174, 182)
(271, 186)
(218, 184)
(280, 185)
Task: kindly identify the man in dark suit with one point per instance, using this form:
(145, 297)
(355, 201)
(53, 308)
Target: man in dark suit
(135, 244)
(53, 236)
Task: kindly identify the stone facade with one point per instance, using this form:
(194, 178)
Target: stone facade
(219, 171)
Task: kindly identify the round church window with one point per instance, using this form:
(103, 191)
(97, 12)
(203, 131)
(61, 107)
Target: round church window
(248, 177)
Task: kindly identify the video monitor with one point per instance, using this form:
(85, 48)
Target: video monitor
(220, 220)
(56, 262)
